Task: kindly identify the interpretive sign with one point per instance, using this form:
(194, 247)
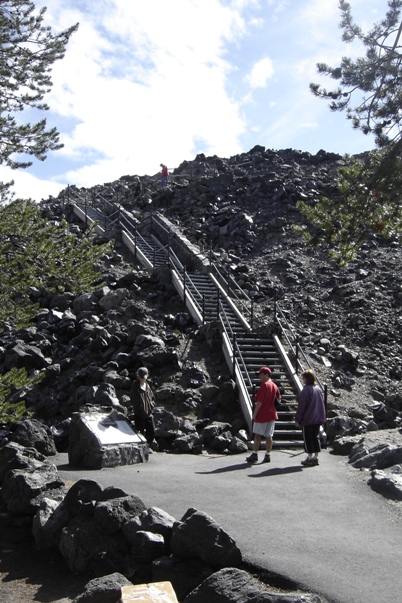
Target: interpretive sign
(99, 439)
(112, 431)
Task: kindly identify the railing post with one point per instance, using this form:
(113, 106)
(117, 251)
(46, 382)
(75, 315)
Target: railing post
(275, 316)
(203, 309)
(184, 286)
(234, 357)
(297, 354)
(68, 197)
(252, 401)
(85, 208)
(217, 305)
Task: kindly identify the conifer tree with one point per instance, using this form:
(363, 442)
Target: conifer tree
(28, 50)
(374, 80)
(38, 254)
(370, 91)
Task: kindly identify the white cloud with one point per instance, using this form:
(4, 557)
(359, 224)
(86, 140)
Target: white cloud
(260, 73)
(28, 186)
(153, 98)
(148, 81)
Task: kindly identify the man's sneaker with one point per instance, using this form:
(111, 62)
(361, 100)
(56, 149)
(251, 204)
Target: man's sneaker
(253, 458)
(267, 458)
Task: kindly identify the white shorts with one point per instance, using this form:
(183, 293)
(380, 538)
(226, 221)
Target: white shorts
(264, 429)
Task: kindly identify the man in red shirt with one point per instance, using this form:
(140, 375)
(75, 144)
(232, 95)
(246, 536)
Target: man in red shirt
(264, 415)
(164, 175)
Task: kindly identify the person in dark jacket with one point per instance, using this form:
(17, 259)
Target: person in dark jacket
(143, 401)
(310, 415)
(137, 187)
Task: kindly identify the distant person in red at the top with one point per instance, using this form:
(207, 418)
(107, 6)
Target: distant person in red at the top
(264, 415)
(164, 174)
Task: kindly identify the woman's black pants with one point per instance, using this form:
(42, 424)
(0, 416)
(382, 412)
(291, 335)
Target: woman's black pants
(311, 434)
(145, 425)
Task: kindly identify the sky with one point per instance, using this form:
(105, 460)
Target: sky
(146, 82)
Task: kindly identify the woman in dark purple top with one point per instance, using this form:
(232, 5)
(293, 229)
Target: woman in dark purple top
(310, 415)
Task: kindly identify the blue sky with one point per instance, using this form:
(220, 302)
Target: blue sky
(151, 81)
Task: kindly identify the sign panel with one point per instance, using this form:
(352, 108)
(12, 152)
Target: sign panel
(112, 431)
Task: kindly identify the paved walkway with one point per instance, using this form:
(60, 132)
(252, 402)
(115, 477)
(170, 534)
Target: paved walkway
(321, 527)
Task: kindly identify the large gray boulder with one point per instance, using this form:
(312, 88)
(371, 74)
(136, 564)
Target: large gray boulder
(32, 432)
(147, 546)
(85, 547)
(343, 446)
(16, 456)
(378, 456)
(51, 517)
(24, 489)
(106, 589)
(188, 444)
(166, 423)
(198, 536)
(113, 299)
(111, 515)
(25, 356)
(153, 520)
(232, 585)
(387, 482)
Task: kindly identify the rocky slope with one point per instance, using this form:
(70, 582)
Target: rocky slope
(348, 321)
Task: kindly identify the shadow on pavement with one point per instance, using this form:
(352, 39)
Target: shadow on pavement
(278, 471)
(237, 467)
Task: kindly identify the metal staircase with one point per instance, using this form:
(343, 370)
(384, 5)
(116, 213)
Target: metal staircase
(210, 296)
(253, 352)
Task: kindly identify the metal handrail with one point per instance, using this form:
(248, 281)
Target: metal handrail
(235, 348)
(295, 349)
(174, 260)
(173, 241)
(233, 293)
(185, 278)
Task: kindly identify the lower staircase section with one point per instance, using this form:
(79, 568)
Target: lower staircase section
(246, 354)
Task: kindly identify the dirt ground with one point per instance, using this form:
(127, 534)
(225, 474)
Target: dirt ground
(28, 575)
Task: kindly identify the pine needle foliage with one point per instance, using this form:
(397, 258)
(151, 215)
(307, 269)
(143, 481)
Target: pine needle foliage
(370, 91)
(16, 380)
(28, 51)
(374, 80)
(367, 203)
(38, 254)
